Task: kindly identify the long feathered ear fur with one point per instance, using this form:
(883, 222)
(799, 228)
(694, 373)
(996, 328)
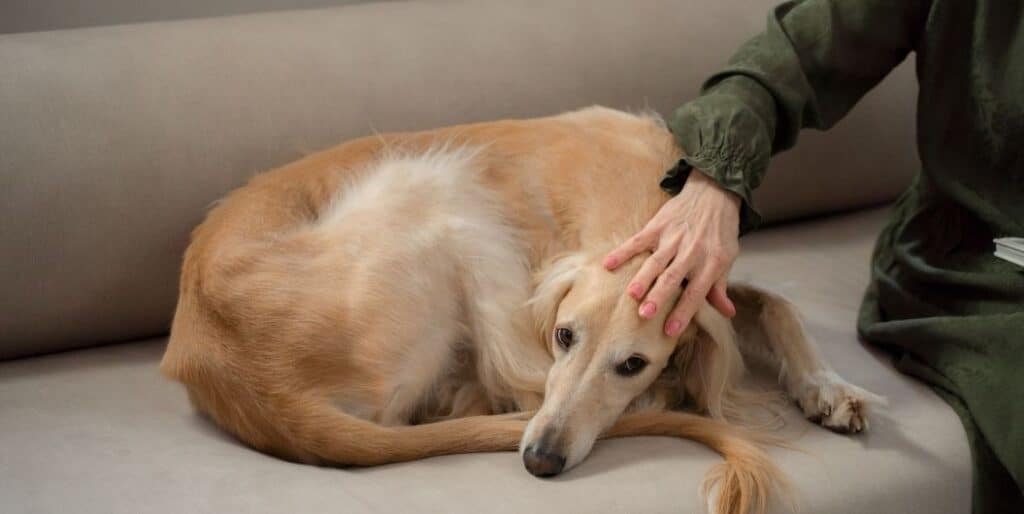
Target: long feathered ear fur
(552, 283)
(711, 368)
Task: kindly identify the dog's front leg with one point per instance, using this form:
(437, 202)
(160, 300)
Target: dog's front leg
(769, 326)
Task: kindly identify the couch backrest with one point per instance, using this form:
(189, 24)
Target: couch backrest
(115, 140)
(36, 15)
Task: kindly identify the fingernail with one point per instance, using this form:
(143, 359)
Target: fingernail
(610, 262)
(647, 309)
(636, 291)
(673, 328)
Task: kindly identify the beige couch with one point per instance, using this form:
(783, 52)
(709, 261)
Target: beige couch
(115, 140)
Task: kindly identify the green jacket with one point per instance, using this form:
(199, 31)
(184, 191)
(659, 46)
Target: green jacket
(952, 312)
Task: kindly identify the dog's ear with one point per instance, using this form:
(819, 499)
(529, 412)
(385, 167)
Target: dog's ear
(551, 284)
(709, 363)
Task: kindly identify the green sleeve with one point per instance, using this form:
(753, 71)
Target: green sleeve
(814, 61)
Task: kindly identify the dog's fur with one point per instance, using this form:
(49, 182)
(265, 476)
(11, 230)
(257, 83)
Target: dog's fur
(395, 298)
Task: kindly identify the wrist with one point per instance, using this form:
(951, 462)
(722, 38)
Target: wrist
(704, 181)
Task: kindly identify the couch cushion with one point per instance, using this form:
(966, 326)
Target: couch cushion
(115, 140)
(98, 431)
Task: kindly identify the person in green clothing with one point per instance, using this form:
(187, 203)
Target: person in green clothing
(950, 310)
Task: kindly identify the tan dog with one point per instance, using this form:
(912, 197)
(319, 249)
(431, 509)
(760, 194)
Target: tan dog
(410, 295)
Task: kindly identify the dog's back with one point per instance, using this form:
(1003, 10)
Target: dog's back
(351, 277)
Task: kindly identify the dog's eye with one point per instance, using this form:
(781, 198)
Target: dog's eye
(563, 336)
(631, 366)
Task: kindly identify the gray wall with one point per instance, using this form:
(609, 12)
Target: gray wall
(36, 15)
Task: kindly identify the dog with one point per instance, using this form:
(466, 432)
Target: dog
(408, 295)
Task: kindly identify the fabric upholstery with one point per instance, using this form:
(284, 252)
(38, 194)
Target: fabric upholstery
(39, 15)
(115, 140)
(99, 431)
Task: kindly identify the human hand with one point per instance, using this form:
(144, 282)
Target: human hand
(694, 238)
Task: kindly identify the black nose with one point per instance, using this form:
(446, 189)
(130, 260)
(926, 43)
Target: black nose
(542, 463)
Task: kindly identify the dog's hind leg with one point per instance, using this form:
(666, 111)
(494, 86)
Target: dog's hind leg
(769, 327)
(325, 434)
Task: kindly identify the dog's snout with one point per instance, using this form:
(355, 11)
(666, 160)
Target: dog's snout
(542, 463)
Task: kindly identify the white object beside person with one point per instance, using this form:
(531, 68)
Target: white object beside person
(1010, 249)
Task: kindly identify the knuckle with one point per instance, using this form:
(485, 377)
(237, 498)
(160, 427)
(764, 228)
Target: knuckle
(692, 296)
(720, 258)
(687, 262)
(673, 275)
(660, 259)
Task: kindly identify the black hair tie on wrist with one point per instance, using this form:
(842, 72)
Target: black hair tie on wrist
(675, 178)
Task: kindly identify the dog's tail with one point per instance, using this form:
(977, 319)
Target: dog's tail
(316, 431)
(743, 483)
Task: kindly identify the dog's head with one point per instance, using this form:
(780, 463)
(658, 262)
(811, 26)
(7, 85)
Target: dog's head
(605, 356)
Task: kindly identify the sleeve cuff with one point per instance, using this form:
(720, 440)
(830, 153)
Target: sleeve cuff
(674, 180)
(725, 135)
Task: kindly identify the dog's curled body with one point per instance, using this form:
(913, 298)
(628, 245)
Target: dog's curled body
(393, 298)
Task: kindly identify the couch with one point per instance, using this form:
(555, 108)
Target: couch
(115, 140)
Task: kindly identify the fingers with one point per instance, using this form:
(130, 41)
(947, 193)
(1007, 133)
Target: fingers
(692, 298)
(640, 242)
(649, 271)
(667, 284)
(720, 300)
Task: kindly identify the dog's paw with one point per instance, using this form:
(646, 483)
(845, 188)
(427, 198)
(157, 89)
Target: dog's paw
(836, 404)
